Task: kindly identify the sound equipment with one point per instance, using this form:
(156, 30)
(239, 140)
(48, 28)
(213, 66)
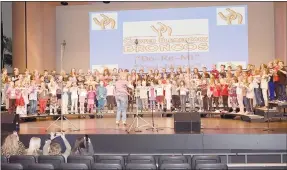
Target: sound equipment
(187, 122)
(9, 122)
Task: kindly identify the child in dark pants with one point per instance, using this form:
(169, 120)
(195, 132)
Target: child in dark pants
(224, 94)
(203, 90)
(130, 100)
(12, 94)
(175, 95)
(110, 97)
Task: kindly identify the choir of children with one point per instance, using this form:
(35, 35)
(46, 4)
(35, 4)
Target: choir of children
(217, 91)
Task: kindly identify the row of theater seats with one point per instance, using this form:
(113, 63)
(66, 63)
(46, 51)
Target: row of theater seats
(112, 162)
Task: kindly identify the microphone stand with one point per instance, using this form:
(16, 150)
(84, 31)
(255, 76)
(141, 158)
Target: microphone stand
(188, 58)
(152, 118)
(61, 118)
(135, 124)
(268, 121)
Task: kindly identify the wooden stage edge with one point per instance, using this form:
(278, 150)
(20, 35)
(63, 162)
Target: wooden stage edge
(107, 125)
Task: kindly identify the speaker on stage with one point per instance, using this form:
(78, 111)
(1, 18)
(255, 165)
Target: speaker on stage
(9, 122)
(187, 122)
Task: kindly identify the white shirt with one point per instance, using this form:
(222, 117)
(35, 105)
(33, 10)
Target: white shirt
(159, 90)
(182, 91)
(250, 91)
(110, 90)
(143, 92)
(74, 92)
(238, 88)
(83, 92)
(137, 91)
(256, 81)
(53, 89)
(13, 93)
(264, 82)
(33, 93)
(168, 91)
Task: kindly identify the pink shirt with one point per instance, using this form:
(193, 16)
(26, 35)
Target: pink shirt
(152, 94)
(91, 94)
(12, 93)
(121, 88)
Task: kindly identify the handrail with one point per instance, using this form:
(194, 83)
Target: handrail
(256, 165)
(194, 154)
(263, 153)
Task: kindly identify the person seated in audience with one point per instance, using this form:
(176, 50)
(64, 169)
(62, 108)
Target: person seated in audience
(12, 146)
(54, 148)
(34, 147)
(83, 146)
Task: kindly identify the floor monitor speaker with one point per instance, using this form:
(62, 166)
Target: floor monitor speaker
(186, 122)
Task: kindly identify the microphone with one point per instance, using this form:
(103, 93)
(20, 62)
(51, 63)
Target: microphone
(64, 43)
(136, 42)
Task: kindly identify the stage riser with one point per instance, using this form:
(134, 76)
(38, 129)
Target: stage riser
(252, 120)
(267, 115)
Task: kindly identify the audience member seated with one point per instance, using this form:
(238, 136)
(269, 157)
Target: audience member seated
(83, 146)
(54, 148)
(34, 147)
(12, 146)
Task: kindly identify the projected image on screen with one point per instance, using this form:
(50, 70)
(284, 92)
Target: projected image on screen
(167, 38)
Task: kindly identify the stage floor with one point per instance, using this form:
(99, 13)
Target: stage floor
(166, 124)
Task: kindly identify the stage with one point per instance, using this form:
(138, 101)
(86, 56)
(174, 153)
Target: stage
(107, 125)
(218, 135)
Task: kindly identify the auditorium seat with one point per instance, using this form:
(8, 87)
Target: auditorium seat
(24, 160)
(141, 159)
(104, 166)
(113, 159)
(73, 166)
(55, 160)
(143, 166)
(88, 160)
(11, 166)
(204, 159)
(172, 159)
(216, 166)
(40, 167)
(4, 159)
(174, 166)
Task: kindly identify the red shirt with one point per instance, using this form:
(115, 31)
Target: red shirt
(224, 90)
(276, 77)
(215, 73)
(216, 90)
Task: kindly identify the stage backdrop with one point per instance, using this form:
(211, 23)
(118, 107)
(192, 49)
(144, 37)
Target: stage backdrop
(248, 41)
(167, 38)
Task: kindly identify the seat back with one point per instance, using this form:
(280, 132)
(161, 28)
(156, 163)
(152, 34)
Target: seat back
(88, 160)
(141, 159)
(11, 166)
(172, 159)
(112, 159)
(143, 166)
(211, 166)
(4, 159)
(24, 160)
(73, 166)
(40, 167)
(104, 166)
(55, 160)
(175, 166)
(204, 159)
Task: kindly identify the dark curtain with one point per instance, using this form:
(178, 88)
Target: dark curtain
(2, 41)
